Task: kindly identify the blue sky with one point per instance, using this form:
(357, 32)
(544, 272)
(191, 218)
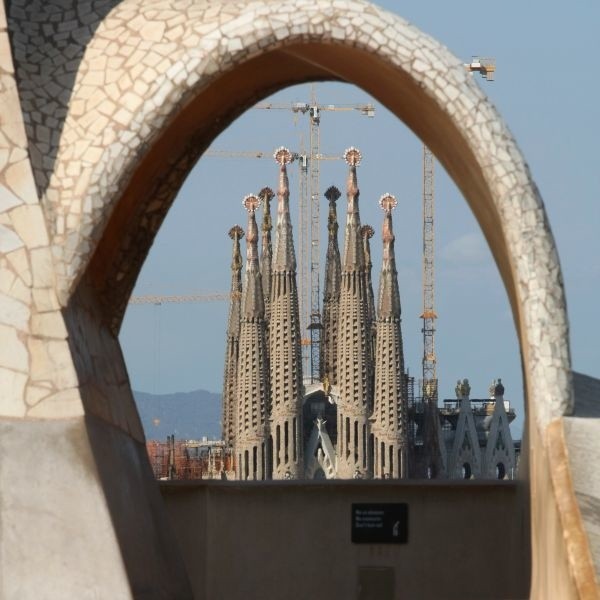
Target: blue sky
(545, 89)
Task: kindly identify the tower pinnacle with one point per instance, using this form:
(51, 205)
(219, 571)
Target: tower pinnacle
(354, 346)
(252, 373)
(331, 292)
(236, 233)
(266, 258)
(390, 409)
(285, 259)
(285, 354)
(253, 299)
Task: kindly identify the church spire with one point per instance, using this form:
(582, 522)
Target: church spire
(354, 345)
(390, 402)
(285, 258)
(331, 292)
(389, 293)
(266, 258)
(285, 353)
(353, 248)
(367, 232)
(252, 374)
(253, 304)
(236, 233)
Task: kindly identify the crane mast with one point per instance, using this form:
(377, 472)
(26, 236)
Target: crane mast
(486, 67)
(429, 386)
(315, 325)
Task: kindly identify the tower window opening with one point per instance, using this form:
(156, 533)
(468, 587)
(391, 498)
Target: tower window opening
(347, 437)
(295, 439)
(286, 441)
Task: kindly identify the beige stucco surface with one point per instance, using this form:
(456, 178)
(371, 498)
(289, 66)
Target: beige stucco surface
(446, 555)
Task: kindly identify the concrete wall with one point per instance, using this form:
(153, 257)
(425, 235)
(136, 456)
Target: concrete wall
(292, 540)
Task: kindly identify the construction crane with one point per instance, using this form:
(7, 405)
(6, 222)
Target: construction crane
(299, 156)
(486, 67)
(309, 222)
(158, 300)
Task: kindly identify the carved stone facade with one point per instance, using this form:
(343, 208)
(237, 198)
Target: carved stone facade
(232, 345)
(253, 364)
(354, 341)
(331, 292)
(360, 421)
(390, 415)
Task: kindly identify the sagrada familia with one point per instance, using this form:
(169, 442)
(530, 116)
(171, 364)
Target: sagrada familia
(360, 420)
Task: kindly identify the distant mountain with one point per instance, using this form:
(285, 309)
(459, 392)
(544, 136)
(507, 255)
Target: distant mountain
(187, 415)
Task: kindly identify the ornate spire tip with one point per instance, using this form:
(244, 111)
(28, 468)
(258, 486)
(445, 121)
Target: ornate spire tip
(367, 231)
(282, 156)
(388, 202)
(353, 156)
(332, 193)
(266, 193)
(251, 202)
(236, 232)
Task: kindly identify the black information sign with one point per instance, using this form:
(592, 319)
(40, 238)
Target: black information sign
(380, 523)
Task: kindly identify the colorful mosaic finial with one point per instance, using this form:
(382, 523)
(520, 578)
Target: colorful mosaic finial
(388, 202)
(251, 203)
(282, 156)
(352, 156)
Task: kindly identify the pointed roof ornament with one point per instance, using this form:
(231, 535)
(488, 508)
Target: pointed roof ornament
(266, 257)
(353, 245)
(283, 157)
(284, 259)
(389, 294)
(253, 304)
(367, 232)
(332, 194)
(353, 157)
(388, 203)
(236, 233)
(251, 204)
(266, 195)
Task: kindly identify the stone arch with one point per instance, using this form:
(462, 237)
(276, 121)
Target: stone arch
(136, 125)
(250, 54)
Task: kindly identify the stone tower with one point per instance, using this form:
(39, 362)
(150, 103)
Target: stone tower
(266, 257)
(390, 413)
(236, 233)
(354, 341)
(367, 232)
(285, 352)
(331, 292)
(253, 376)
